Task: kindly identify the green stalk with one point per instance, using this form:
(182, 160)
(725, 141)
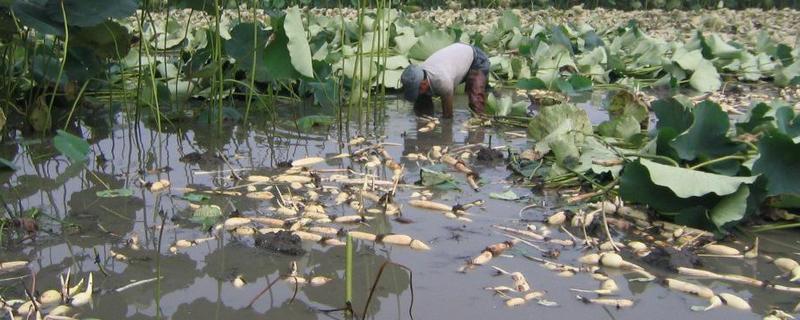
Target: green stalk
(360, 53)
(152, 70)
(384, 53)
(653, 157)
(717, 160)
(63, 59)
(375, 30)
(139, 66)
(218, 59)
(348, 272)
(253, 65)
(75, 103)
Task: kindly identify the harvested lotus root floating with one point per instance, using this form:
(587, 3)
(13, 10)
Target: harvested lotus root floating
(430, 124)
(689, 288)
(563, 270)
(238, 282)
(306, 162)
(614, 260)
(453, 212)
(158, 186)
(617, 303)
(521, 286)
(294, 278)
(487, 254)
(607, 287)
(721, 250)
(391, 239)
(10, 266)
(724, 299)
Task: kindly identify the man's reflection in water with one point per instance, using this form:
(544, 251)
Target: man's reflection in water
(442, 135)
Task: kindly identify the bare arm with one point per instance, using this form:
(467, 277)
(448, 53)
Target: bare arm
(447, 105)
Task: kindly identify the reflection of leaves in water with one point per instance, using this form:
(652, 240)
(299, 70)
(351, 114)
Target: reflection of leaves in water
(178, 272)
(259, 263)
(28, 185)
(297, 310)
(330, 263)
(114, 214)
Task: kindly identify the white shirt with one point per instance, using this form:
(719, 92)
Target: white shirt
(447, 67)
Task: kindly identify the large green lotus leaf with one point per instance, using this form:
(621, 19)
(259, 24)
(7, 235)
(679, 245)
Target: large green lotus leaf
(499, 107)
(778, 162)
(705, 77)
(688, 60)
(321, 52)
(624, 103)
(72, 146)
(789, 75)
(508, 21)
(707, 137)
(747, 67)
(46, 16)
(721, 49)
(370, 42)
(435, 175)
(248, 42)
(169, 33)
(108, 40)
(83, 64)
(730, 208)
(787, 122)
(650, 52)
(624, 127)
(391, 79)
(530, 84)
(592, 58)
(593, 156)
(299, 50)
(636, 186)
(550, 62)
(364, 68)
(405, 42)
(314, 121)
(491, 104)
(430, 43)
(559, 37)
(206, 215)
(45, 66)
(564, 148)
(674, 112)
(395, 62)
(275, 59)
(758, 119)
(560, 128)
(552, 117)
(326, 93)
(180, 90)
(687, 183)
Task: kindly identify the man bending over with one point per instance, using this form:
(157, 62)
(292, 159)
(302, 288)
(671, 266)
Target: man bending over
(441, 73)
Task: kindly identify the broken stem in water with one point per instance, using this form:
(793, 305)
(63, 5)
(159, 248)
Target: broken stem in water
(348, 274)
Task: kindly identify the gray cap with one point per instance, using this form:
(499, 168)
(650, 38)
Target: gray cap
(411, 78)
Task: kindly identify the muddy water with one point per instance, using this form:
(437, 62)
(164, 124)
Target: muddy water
(196, 283)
